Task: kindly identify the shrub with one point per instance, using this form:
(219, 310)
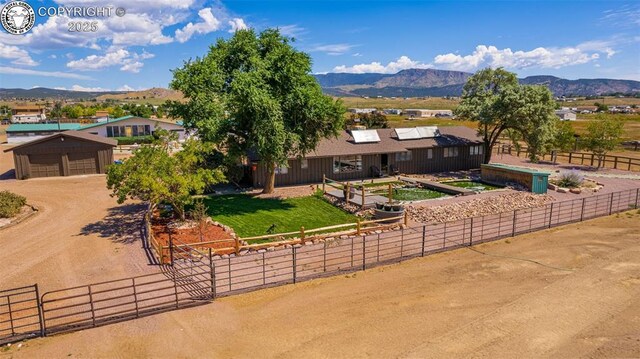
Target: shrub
(10, 204)
(131, 140)
(570, 179)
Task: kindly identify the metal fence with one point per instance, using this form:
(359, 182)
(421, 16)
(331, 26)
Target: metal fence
(20, 316)
(253, 271)
(196, 277)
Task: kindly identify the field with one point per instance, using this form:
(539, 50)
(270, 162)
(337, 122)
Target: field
(250, 216)
(568, 292)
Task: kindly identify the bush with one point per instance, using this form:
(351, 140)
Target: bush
(131, 140)
(10, 204)
(570, 179)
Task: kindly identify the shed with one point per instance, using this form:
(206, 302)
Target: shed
(534, 180)
(68, 153)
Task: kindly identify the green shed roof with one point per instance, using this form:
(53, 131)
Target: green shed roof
(39, 127)
(518, 169)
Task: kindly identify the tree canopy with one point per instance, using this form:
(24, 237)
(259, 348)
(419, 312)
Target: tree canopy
(603, 135)
(156, 175)
(494, 99)
(255, 92)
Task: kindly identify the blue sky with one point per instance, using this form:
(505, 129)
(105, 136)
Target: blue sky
(569, 39)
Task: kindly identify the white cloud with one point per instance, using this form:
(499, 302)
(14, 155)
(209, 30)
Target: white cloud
(88, 89)
(357, 54)
(17, 71)
(625, 16)
(126, 88)
(53, 56)
(129, 62)
(237, 24)
(541, 57)
(292, 30)
(332, 49)
(18, 55)
(208, 24)
(402, 63)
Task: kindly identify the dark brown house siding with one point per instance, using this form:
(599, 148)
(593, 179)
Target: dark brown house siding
(419, 163)
(61, 156)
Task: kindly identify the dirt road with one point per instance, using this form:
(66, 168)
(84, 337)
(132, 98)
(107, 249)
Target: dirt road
(570, 291)
(80, 235)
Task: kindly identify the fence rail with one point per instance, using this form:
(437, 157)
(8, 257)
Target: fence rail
(579, 158)
(197, 277)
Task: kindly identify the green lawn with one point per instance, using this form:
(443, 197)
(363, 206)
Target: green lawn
(250, 216)
(472, 185)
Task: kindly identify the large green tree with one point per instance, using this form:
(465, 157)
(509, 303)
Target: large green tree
(155, 175)
(534, 118)
(255, 92)
(485, 100)
(603, 135)
(494, 99)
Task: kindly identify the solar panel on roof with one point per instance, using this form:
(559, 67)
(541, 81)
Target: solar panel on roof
(407, 133)
(428, 131)
(364, 136)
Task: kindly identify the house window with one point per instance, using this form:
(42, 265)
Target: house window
(430, 153)
(347, 164)
(451, 152)
(282, 170)
(475, 150)
(403, 156)
(304, 164)
(110, 131)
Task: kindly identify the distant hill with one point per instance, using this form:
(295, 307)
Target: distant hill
(152, 93)
(47, 93)
(431, 82)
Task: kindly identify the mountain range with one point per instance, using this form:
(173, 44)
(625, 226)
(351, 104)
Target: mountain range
(406, 83)
(431, 82)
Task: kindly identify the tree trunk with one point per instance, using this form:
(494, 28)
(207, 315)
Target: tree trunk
(270, 181)
(488, 150)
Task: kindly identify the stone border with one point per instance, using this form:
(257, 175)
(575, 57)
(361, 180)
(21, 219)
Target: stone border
(21, 218)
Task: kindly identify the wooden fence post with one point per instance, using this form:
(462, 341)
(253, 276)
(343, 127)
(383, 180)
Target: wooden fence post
(406, 220)
(237, 245)
(358, 226)
(302, 234)
(390, 194)
(324, 181)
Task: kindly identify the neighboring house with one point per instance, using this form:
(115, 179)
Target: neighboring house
(392, 111)
(101, 116)
(362, 110)
(566, 115)
(27, 114)
(131, 126)
(68, 153)
(421, 113)
(26, 132)
(128, 126)
(353, 154)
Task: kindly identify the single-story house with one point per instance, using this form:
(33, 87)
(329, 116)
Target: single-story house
(356, 154)
(26, 132)
(127, 126)
(427, 113)
(132, 126)
(566, 115)
(67, 153)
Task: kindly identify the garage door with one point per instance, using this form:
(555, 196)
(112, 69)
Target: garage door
(82, 163)
(45, 165)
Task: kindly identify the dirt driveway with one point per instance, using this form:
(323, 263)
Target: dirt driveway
(80, 235)
(570, 291)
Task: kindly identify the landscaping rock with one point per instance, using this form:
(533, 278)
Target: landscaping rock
(575, 190)
(262, 250)
(476, 207)
(243, 252)
(552, 186)
(563, 190)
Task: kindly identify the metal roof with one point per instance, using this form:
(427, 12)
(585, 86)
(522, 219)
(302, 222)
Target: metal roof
(33, 127)
(71, 134)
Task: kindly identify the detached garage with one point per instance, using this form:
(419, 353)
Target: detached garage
(68, 153)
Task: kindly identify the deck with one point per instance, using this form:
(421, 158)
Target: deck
(369, 199)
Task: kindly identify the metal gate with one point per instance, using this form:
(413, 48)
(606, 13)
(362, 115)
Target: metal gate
(19, 314)
(186, 283)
